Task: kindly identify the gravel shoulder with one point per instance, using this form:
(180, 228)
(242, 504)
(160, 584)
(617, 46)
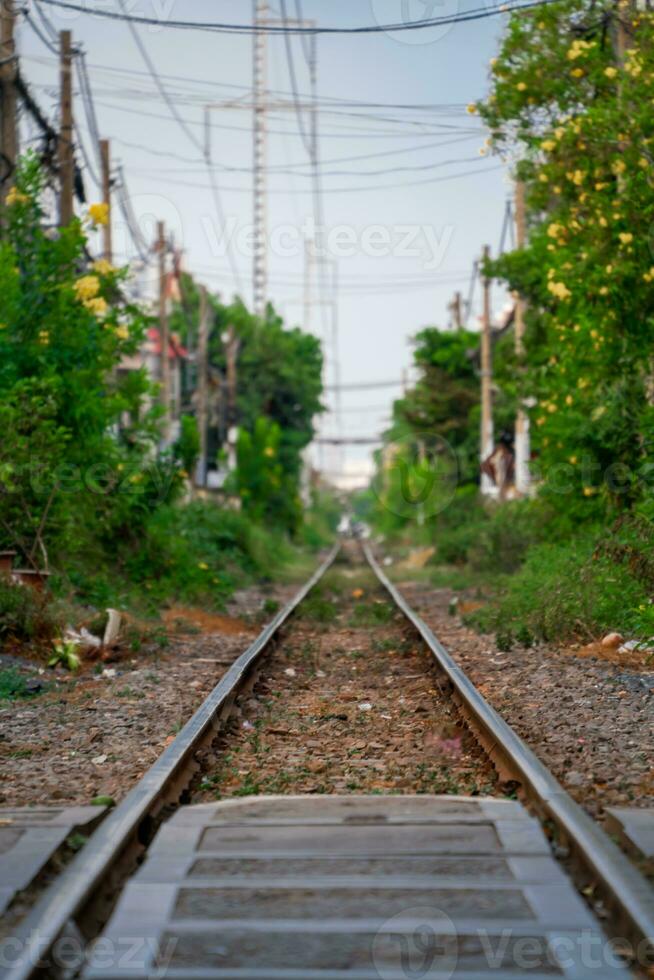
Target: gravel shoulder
(589, 720)
(96, 734)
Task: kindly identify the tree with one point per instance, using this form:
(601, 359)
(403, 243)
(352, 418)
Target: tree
(579, 121)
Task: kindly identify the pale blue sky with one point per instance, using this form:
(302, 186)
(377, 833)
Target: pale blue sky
(445, 67)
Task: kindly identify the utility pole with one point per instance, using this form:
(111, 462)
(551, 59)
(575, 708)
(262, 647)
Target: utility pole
(164, 332)
(486, 435)
(231, 342)
(66, 157)
(522, 441)
(203, 388)
(456, 311)
(308, 265)
(105, 154)
(8, 124)
(260, 260)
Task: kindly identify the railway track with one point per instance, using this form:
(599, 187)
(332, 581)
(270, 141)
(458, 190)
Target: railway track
(77, 907)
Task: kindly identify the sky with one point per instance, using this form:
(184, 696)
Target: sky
(408, 201)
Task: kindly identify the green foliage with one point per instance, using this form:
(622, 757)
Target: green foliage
(268, 491)
(64, 327)
(187, 447)
(25, 614)
(580, 122)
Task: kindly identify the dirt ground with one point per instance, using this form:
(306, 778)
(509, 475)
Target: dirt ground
(347, 702)
(589, 720)
(96, 733)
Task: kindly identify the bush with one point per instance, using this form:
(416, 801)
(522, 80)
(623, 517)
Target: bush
(565, 590)
(25, 615)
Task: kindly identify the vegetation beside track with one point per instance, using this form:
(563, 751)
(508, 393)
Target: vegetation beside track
(579, 558)
(89, 491)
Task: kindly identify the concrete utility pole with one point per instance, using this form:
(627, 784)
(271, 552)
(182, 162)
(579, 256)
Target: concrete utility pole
(259, 66)
(66, 151)
(105, 154)
(8, 124)
(486, 435)
(522, 440)
(164, 331)
(232, 345)
(203, 387)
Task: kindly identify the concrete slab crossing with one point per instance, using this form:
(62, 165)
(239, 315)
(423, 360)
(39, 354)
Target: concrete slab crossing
(404, 888)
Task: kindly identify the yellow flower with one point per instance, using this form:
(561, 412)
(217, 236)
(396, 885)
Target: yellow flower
(548, 145)
(589, 491)
(554, 230)
(203, 565)
(609, 269)
(559, 289)
(44, 337)
(643, 162)
(602, 220)
(269, 452)
(521, 86)
(626, 237)
(573, 460)
(577, 72)
(543, 178)
(97, 305)
(603, 290)
(87, 287)
(471, 109)
(551, 408)
(99, 213)
(619, 167)
(541, 421)
(103, 267)
(610, 72)
(582, 383)
(569, 399)
(16, 197)
(122, 332)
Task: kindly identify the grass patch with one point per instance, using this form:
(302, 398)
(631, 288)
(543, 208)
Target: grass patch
(14, 686)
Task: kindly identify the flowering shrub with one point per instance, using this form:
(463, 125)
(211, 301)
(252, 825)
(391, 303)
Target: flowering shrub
(72, 425)
(578, 119)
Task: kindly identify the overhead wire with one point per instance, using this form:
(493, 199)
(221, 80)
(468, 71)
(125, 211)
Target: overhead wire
(213, 185)
(479, 13)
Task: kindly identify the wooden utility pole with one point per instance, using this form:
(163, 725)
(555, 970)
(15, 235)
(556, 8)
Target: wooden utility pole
(107, 244)
(522, 442)
(164, 331)
(66, 154)
(486, 434)
(203, 387)
(8, 125)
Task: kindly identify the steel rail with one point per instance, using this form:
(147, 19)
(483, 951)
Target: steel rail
(627, 892)
(64, 900)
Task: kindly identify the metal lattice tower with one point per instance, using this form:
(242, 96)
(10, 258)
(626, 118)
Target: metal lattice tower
(259, 66)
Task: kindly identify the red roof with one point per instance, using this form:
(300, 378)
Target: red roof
(175, 349)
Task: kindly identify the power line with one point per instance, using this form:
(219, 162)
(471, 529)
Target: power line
(186, 130)
(479, 13)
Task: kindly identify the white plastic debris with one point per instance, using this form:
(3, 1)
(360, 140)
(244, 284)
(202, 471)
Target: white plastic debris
(112, 629)
(365, 706)
(247, 725)
(290, 672)
(98, 760)
(109, 672)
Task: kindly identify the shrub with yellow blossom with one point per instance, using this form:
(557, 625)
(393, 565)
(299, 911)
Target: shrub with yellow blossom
(580, 123)
(65, 328)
